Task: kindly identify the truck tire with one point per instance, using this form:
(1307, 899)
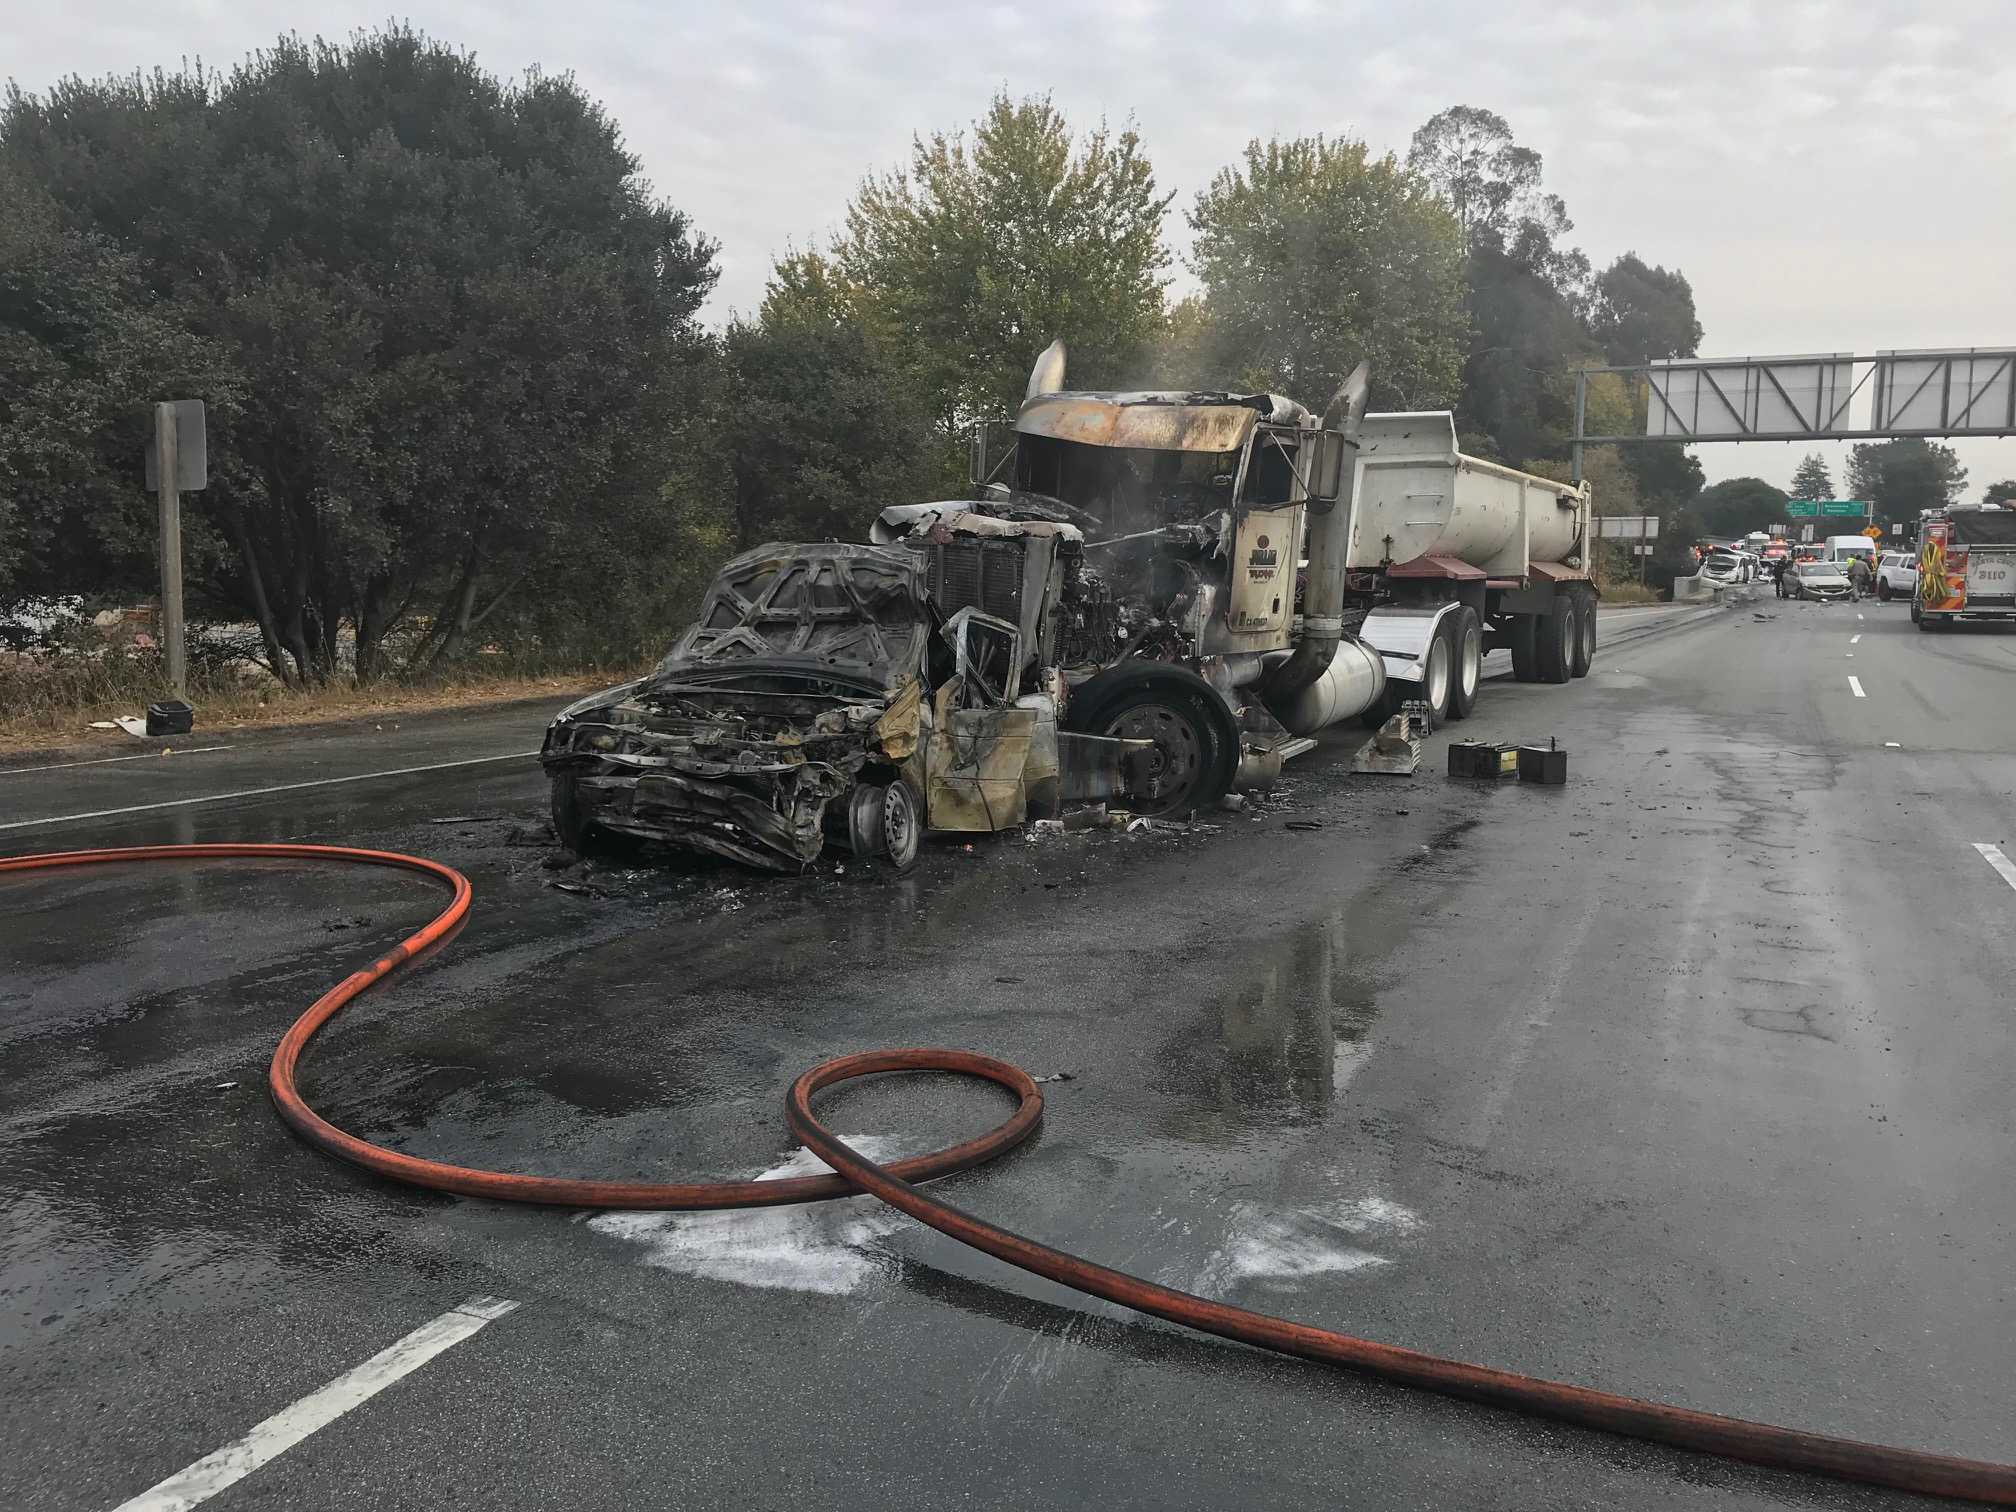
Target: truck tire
(1196, 741)
(1524, 638)
(1466, 641)
(1554, 641)
(1585, 633)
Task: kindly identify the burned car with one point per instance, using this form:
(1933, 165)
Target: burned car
(821, 698)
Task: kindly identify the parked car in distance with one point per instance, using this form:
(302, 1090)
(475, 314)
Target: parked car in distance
(1816, 579)
(1896, 575)
(1724, 567)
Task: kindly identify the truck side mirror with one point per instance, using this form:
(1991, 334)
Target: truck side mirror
(1329, 454)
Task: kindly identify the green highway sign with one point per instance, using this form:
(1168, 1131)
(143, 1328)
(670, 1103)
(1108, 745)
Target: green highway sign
(1798, 508)
(1854, 507)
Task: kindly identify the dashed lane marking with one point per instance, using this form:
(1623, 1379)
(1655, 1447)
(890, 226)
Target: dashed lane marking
(1856, 684)
(1854, 639)
(1992, 854)
(287, 1427)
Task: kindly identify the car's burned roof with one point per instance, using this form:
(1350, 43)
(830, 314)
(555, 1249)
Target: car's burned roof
(854, 611)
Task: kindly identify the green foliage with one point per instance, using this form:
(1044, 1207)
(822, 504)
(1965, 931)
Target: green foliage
(1902, 477)
(1811, 480)
(1314, 255)
(1737, 506)
(442, 308)
(84, 344)
(822, 429)
(970, 262)
(1643, 313)
(2003, 492)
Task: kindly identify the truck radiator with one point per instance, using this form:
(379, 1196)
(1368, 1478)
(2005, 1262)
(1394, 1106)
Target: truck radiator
(983, 575)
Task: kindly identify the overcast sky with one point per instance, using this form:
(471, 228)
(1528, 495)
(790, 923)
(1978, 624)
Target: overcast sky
(1834, 175)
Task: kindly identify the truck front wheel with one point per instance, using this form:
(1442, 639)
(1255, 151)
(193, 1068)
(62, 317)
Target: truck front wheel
(1194, 743)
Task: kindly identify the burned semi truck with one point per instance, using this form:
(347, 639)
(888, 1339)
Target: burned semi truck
(1244, 572)
(1150, 598)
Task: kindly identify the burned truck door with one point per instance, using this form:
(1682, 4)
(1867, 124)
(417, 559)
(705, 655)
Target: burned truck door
(976, 759)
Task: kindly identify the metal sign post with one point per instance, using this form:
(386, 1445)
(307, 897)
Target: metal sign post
(177, 460)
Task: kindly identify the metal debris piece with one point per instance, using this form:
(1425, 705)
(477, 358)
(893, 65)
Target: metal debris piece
(1055, 1076)
(1303, 824)
(1396, 749)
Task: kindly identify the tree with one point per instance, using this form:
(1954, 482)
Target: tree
(449, 315)
(1902, 477)
(822, 429)
(2003, 493)
(976, 257)
(1737, 506)
(1812, 480)
(83, 345)
(1314, 255)
(1490, 181)
(1529, 295)
(1643, 313)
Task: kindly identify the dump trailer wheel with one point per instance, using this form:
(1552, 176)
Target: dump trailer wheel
(1524, 636)
(1585, 633)
(1196, 741)
(1438, 673)
(1554, 641)
(1466, 640)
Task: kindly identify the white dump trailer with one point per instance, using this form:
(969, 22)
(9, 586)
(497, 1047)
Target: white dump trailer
(1449, 556)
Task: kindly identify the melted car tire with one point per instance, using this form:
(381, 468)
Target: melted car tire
(576, 833)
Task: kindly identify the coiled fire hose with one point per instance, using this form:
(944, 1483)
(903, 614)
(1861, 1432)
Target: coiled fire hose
(1702, 1432)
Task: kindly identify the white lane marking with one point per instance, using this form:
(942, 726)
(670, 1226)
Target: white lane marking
(1853, 639)
(64, 766)
(285, 787)
(287, 1427)
(1858, 616)
(1992, 854)
(1893, 745)
(1856, 684)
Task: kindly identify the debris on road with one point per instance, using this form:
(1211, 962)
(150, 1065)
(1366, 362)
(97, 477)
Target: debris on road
(360, 922)
(1303, 824)
(1546, 765)
(1055, 1076)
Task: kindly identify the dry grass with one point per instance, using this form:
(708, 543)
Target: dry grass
(50, 702)
(1615, 594)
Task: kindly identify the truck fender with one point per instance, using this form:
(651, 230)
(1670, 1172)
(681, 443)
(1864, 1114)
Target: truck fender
(1402, 637)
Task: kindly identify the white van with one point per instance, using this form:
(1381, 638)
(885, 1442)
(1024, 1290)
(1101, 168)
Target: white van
(1840, 548)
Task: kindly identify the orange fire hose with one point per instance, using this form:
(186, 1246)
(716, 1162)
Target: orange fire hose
(1702, 1432)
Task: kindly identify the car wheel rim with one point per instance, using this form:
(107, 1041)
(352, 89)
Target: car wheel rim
(899, 822)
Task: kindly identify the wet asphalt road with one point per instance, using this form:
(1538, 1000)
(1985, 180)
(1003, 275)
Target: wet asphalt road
(1690, 1080)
